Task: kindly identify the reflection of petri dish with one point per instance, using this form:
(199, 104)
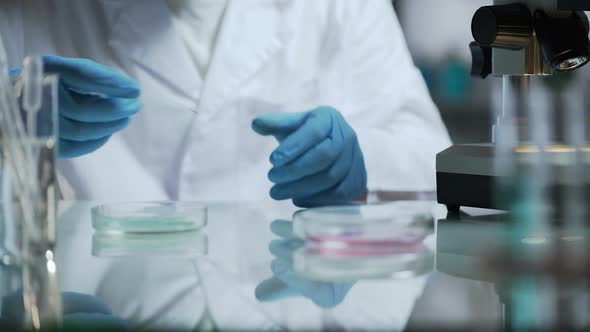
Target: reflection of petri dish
(149, 217)
(186, 244)
(332, 268)
(385, 228)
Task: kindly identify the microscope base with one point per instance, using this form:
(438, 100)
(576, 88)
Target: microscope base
(466, 175)
(456, 190)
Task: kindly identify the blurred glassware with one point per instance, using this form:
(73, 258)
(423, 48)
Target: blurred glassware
(455, 80)
(28, 122)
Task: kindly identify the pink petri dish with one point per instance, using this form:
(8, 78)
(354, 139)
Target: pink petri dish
(365, 230)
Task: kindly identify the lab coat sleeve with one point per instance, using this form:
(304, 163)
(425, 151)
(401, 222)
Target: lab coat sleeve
(372, 80)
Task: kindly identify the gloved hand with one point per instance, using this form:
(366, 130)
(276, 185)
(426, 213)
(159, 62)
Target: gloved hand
(319, 160)
(287, 283)
(95, 102)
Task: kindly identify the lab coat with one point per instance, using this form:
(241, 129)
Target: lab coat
(193, 139)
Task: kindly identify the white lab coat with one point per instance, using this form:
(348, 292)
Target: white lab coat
(272, 55)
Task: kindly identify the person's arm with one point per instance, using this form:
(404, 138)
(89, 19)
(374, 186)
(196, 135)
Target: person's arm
(373, 81)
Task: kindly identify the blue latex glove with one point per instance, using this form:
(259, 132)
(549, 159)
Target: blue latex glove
(81, 313)
(95, 102)
(287, 283)
(319, 160)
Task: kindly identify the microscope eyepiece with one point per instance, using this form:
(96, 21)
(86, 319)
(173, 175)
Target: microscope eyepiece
(563, 39)
(572, 63)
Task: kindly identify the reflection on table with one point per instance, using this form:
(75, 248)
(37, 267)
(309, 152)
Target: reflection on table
(247, 270)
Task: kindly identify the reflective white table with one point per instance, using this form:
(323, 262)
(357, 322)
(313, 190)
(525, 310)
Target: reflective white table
(238, 274)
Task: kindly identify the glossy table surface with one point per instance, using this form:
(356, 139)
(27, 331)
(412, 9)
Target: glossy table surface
(238, 274)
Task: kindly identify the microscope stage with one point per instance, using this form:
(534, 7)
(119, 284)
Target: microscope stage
(466, 175)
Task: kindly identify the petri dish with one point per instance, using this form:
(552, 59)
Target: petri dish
(180, 244)
(149, 217)
(340, 268)
(372, 229)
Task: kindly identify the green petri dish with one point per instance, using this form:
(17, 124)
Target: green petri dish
(149, 217)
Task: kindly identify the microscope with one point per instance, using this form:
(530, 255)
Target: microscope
(514, 39)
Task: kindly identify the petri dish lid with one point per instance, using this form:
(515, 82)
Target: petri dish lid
(330, 268)
(149, 217)
(403, 223)
(185, 244)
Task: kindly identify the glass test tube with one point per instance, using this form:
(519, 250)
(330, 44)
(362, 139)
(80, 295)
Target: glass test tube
(575, 210)
(41, 291)
(29, 136)
(520, 159)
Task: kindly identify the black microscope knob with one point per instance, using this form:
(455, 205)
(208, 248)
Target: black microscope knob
(481, 64)
(503, 26)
